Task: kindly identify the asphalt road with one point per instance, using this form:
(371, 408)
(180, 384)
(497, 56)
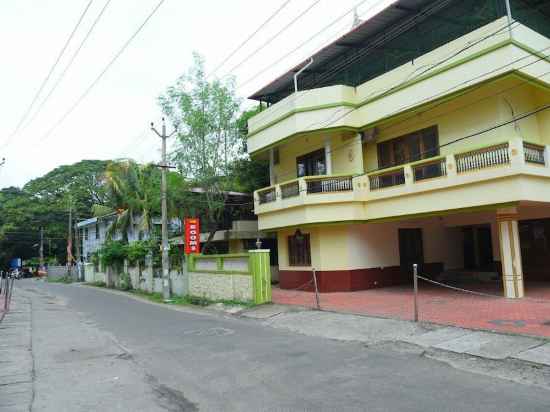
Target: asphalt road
(216, 362)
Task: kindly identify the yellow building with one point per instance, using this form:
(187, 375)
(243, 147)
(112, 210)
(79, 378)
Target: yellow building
(421, 136)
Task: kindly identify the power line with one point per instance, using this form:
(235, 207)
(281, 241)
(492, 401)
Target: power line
(469, 136)
(396, 31)
(266, 68)
(260, 27)
(52, 68)
(71, 61)
(272, 38)
(476, 87)
(102, 73)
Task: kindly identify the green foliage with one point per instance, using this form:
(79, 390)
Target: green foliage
(99, 284)
(137, 251)
(82, 182)
(112, 253)
(125, 282)
(61, 279)
(133, 191)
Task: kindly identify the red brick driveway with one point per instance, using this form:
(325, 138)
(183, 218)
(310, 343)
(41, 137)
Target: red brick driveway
(529, 316)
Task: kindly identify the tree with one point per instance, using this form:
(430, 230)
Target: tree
(133, 192)
(83, 181)
(205, 113)
(21, 217)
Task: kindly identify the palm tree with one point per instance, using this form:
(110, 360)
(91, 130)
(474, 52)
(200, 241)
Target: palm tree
(133, 191)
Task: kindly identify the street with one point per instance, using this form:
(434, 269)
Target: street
(95, 350)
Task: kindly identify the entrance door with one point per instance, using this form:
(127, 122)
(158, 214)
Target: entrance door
(485, 248)
(478, 248)
(410, 249)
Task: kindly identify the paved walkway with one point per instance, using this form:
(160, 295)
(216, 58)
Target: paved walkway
(530, 316)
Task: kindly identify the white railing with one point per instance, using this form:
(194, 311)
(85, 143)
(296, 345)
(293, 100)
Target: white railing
(430, 169)
(267, 195)
(482, 158)
(534, 153)
(329, 184)
(291, 189)
(387, 179)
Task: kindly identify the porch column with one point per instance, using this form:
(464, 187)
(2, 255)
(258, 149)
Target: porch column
(510, 252)
(328, 155)
(271, 167)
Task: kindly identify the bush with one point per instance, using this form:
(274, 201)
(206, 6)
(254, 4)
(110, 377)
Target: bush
(137, 251)
(125, 282)
(112, 253)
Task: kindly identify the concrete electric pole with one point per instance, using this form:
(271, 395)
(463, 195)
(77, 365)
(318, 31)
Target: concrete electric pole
(165, 246)
(41, 267)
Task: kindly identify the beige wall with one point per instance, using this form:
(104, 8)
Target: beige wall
(484, 56)
(345, 152)
(374, 245)
(471, 113)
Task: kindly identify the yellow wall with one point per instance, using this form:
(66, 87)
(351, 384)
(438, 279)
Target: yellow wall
(345, 152)
(372, 245)
(410, 85)
(471, 113)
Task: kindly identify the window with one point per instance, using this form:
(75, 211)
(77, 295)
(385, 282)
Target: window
(85, 233)
(97, 231)
(411, 147)
(311, 164)
(299, 250)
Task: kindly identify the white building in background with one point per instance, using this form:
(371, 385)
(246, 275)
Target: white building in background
(93, 232)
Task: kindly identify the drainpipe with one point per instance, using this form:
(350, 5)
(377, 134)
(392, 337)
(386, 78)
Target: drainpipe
(509, 14)
(300, 72)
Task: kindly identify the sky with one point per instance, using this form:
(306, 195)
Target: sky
(112, 121)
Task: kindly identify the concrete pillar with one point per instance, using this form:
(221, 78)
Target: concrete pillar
(149, 282)
(510, 252)
(328, 155)
(517, 152)
(272, 167)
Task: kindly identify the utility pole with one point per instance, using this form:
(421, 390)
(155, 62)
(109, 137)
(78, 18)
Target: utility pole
(165, 247)
(78, 259)
(41, 250)
(70, 237)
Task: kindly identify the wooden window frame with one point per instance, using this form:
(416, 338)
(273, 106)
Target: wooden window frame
(424, 152)
(296, 257)
(311, 155)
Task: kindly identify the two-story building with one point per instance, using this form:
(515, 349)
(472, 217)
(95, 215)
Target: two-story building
(421, 136)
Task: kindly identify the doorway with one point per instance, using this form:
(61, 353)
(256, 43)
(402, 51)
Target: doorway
(478, 248)
(411, 249)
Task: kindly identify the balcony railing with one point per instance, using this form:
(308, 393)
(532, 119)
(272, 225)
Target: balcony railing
(430, 169)
(387, 179)
(267, 195)
(482, 158)
(291, 189)
(534, 153)
(446, 170)
(329, 184)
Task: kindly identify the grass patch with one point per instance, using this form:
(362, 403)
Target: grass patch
(188, 300)
(176, 300)
(62, 279)
(97, 284)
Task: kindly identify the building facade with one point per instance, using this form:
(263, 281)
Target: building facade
(421, 136)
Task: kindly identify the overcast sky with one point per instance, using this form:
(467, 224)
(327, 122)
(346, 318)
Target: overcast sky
(112, 121)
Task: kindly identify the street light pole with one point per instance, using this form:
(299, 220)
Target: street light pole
(164, 212)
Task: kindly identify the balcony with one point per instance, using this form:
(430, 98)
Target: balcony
(305, 190)
(494, 174)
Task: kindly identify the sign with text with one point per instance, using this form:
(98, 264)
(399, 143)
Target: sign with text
(192, 236)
